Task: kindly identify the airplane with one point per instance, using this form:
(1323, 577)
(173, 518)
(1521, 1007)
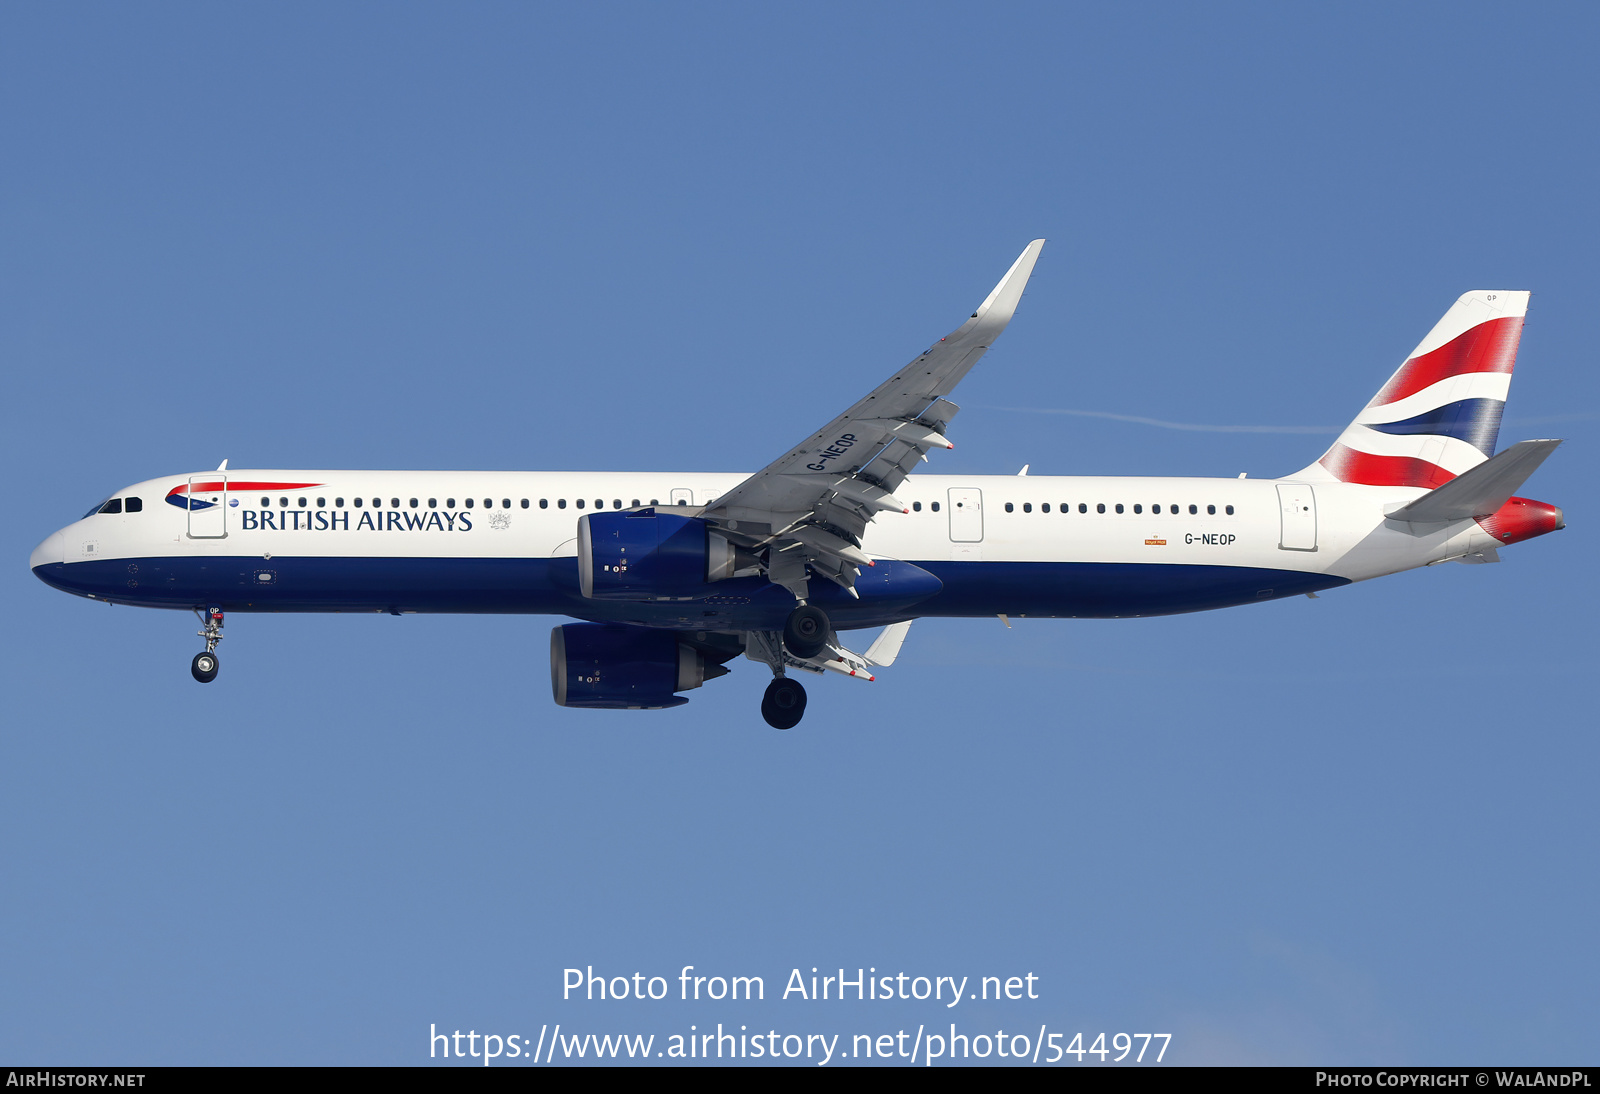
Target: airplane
(673, 575)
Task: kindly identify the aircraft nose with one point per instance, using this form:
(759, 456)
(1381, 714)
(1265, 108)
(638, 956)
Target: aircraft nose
(53, 550)
(1561, 519)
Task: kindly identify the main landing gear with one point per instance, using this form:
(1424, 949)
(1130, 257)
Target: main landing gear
(784, 704)
(204, 666)
(805, 635)
(806, 631)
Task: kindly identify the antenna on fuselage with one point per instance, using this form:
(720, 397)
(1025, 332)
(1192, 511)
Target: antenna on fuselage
(223, 466)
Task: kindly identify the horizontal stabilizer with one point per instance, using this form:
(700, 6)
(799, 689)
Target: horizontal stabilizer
(1479, 491)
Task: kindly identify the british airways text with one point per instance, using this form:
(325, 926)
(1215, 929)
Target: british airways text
(318, 520)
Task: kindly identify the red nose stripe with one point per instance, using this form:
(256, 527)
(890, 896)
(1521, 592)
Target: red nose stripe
(213, 487)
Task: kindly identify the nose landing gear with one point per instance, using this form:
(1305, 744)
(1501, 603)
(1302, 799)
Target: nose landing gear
(204, 666)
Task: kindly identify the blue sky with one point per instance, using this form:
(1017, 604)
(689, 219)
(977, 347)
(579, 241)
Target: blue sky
(1358, 829)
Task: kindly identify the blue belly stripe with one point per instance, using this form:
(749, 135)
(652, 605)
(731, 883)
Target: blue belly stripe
(545, 586)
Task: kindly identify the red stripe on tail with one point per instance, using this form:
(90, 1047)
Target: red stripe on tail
(1348, 465)
(1487, 347)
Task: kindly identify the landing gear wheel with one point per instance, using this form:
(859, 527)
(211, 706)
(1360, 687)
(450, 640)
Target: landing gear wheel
(806, 632)
(204, 668)
(784, 704)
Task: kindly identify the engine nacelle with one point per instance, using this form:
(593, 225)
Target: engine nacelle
(612, 666)
(650, 554)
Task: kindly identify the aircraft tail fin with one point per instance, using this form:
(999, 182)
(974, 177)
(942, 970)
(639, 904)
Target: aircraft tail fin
(1439, 414)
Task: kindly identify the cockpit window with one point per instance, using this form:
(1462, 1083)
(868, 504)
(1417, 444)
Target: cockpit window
(112, 506)
(133, 505)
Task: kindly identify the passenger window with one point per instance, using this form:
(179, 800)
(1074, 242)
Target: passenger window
(599, 503)
(301, 501)
(394, 503)
(580, 503)
(616, 503)
(1230, 510)
(266, 501)
(916, 507)
(1136, 509)
(934, 507)
(356, 500)
(1083, 508)
(449, 503)
(544, 503)
(1008, 507)
(488, 503)
(1193, 509)
(338, 503)
(467, 503)
(322, 502)
(1173, 509)
(1119, 507)
(653, 501)
(283, 502)
(1211, 510)
(1100, 507)
(562, 504)
(524, 503)
(1045, 508)
(1027, 507)
(413, 503)
(505, 503)
(112, 506)
(433, 503)
(636, 503)
(133, 505)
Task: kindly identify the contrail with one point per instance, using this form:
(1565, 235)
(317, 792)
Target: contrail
(1194, 427)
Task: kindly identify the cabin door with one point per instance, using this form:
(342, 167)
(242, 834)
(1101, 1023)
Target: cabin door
(208, 506)
(1298, 505)
(966, 514)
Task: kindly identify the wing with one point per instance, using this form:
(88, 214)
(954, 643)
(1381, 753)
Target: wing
(810, 507)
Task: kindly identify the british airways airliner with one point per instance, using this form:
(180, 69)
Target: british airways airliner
(674, 574)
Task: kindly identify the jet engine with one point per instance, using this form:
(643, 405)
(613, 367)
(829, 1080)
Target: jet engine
(618, 667)
(647, 554)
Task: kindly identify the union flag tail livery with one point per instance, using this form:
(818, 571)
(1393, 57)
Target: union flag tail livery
(1439, 414)
(673, 575)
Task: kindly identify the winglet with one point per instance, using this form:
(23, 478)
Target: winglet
(886, 648)
(1001, 304)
